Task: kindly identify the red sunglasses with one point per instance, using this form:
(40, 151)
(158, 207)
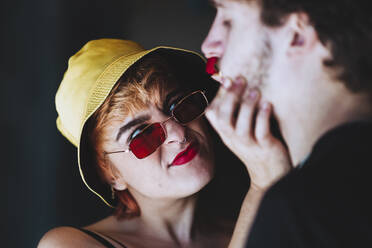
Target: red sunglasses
(153, 135)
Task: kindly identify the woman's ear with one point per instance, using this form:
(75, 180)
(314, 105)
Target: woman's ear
(114, 177)
(119, 184)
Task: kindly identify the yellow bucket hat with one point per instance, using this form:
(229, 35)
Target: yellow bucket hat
(91, 74)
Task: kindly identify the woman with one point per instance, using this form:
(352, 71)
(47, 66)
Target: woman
(135, 117)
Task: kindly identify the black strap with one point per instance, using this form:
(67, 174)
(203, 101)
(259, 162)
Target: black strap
(100, 239)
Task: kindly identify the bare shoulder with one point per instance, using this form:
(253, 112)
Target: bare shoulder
(61, 237)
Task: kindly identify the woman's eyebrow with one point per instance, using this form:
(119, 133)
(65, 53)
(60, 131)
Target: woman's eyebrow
(132, 123)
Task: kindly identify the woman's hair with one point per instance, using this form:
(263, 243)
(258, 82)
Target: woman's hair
(148, 80)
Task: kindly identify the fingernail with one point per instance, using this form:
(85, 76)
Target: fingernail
(240, 80)
(237, 87)
(253, 94)
(226, 83)
(217, 78)
(265, 106)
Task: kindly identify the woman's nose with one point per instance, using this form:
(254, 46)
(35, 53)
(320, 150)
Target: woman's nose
(176, 133)
(213, 45)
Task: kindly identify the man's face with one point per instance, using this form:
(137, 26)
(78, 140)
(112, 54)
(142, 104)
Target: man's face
(284, 63)
(244, 47)
(239, 40)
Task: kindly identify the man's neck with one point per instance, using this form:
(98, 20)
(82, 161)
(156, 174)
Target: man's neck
(301, 142)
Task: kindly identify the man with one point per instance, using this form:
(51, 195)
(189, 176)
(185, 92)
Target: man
(312, 61)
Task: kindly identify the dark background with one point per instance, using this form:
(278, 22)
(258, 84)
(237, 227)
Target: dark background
(40, 179)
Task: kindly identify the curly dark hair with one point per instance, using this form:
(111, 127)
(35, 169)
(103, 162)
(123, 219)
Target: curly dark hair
(344, 24)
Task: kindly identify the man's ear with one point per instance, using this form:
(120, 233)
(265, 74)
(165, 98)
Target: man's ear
(301, 35)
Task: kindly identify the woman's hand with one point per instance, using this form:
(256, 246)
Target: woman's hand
(243, 123)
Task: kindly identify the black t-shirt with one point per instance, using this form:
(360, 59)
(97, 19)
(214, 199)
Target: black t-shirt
(326, 202)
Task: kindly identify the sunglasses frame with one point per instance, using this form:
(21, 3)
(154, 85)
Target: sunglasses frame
(162, 123)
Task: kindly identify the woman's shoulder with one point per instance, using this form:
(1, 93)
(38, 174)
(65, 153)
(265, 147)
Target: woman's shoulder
(66, 236)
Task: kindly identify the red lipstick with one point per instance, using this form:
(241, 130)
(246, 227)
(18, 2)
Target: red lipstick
(187, 155)
(211, 65)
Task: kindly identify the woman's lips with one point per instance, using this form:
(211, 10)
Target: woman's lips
(187, 155)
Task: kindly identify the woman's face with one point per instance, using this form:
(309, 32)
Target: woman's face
(178, 168)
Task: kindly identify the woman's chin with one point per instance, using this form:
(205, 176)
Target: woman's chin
(194, 178)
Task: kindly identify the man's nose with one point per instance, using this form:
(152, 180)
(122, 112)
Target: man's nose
(213, 45)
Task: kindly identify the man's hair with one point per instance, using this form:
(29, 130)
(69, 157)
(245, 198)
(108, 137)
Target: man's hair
(345, 25)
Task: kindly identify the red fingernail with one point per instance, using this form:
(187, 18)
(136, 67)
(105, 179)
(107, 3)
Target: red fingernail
(211, 65)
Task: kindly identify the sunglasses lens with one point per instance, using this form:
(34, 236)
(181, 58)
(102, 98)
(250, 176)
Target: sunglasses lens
(147, 141)
(190, 108)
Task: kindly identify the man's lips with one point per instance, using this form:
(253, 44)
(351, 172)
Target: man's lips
(187, 155)
(211, 67)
